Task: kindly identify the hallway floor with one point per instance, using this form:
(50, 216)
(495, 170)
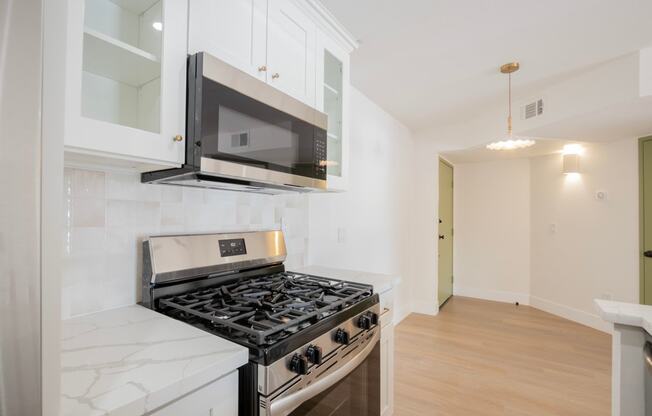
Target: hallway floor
(488, 358)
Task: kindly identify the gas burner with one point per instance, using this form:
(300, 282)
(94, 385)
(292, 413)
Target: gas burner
(266, 309)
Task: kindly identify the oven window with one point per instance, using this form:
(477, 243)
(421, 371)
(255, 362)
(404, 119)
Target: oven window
(237, 128)
(356, 395)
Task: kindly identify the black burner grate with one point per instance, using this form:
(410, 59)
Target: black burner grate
(269, 308)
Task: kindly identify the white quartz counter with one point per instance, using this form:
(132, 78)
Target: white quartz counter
(131, 360)
(381, 282)
(626, 313)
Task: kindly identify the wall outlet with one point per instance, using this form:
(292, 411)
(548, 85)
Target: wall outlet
(553, 228)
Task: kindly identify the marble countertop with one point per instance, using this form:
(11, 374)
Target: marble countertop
(131, 360)
(381, 282)
(626, 313)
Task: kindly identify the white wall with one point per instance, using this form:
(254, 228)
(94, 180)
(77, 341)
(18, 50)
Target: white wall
(373, 218)
(424, 212)
(524, 230)
(584, 248)
(492, 230)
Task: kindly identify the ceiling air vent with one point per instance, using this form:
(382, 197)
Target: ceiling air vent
(533, 109)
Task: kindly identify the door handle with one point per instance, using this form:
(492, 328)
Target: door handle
(647, 253)
(441, 236)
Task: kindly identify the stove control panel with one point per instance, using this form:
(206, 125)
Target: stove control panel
(232, 247)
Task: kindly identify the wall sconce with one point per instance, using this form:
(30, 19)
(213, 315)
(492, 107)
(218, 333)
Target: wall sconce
(571, 159)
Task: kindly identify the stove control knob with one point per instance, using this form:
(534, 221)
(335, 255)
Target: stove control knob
(373, 317)
(299, 364)
(364, 321)
(314, 354)
(342, 337)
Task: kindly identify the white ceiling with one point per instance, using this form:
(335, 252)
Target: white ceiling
(633, 119)
(436, 61)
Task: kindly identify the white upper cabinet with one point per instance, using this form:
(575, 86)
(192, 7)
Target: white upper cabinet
(333, 99)
(291, 37)
(126, 72)
(233, 30)
(272, 40)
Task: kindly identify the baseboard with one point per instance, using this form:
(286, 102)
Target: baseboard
(576, 315)
(495, 295)
(399, 315)
(426, 308)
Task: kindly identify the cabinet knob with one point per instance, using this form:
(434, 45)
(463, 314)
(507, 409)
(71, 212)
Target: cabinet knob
(178, 138)
(262, 68)
(275, 75)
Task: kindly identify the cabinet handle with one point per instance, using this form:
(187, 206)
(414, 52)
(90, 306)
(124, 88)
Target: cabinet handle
(178, 138)
(275, 75)
(262, 68)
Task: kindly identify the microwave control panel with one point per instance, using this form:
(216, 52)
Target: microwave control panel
(321, 154)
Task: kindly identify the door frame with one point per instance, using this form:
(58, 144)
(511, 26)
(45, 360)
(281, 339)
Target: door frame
(450, 165)
(641, 218)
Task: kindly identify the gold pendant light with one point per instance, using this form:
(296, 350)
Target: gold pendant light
(509, 143)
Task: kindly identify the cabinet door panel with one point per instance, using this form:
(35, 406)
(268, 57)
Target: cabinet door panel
(332, 97)
(387, 371)
(125, 92)
(291, 51)
(220, 398)
(232, 30)
(173, 79)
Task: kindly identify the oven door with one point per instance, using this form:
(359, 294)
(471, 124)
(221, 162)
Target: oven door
(236, 118)
(351, 387)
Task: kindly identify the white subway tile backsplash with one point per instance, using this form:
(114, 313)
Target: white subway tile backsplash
(172, 214)
(87, 212)
(87, 184)
(108, 214)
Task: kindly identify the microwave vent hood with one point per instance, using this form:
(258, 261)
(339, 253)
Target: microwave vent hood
(245, 135)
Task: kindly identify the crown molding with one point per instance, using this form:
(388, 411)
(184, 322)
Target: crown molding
(328, 23)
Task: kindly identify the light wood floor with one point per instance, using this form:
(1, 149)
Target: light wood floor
(488, 358)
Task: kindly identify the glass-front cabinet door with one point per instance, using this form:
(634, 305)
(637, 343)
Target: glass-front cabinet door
(332, 99)
(126, 79)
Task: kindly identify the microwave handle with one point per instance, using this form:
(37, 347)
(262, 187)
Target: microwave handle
(284, 406)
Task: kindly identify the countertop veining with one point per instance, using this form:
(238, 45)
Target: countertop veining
(132, 360)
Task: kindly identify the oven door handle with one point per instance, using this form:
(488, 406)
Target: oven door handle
(285, 405)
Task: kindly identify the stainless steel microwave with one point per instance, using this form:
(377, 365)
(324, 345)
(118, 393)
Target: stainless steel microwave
(243, 134)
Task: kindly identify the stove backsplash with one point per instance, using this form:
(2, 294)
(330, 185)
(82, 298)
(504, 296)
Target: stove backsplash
(107, 215)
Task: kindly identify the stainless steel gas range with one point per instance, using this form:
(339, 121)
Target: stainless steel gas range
(313, 341)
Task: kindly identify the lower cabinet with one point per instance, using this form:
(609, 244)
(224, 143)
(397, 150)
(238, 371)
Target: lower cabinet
(219, 398)
(387, 370)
